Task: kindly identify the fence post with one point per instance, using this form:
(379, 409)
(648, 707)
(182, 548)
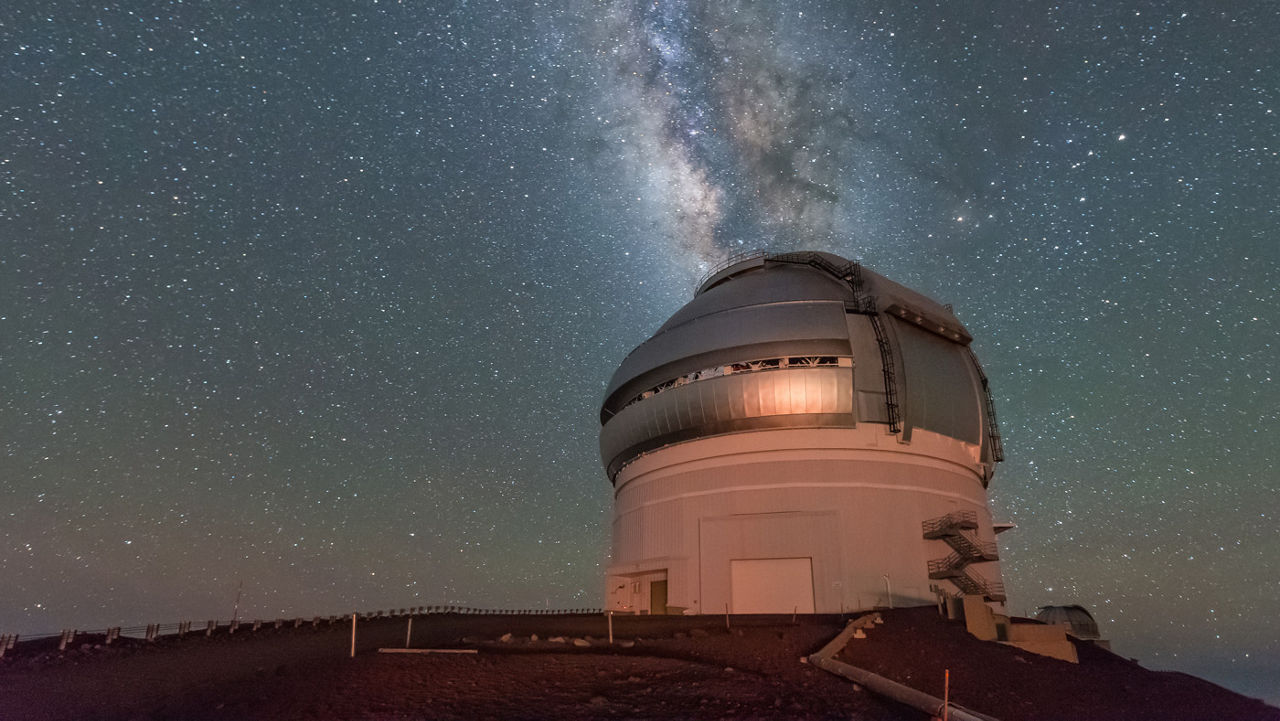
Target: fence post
(68, 635)
(7, 642)
(208, 630)
(353, 635)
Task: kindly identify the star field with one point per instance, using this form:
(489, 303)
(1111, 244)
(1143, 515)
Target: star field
(323, 301)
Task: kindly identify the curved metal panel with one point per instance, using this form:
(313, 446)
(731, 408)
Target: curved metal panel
(756, 331)
(791, 283)
(774, 308)
(941, 392)
(728, 404)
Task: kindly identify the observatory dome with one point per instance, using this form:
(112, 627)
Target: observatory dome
(1077, 619)
(808, 319)
(805, 435)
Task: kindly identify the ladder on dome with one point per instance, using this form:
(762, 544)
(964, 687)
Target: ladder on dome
(851, 273)
(993, 426)
(956, 530)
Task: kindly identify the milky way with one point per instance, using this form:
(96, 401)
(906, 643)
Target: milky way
(324, 301)
(737, 142)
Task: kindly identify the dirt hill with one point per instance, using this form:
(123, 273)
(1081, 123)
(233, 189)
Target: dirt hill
(661, 667)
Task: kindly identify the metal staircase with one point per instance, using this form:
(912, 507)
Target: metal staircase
(943, 526)
(971, 586)
(956, 530)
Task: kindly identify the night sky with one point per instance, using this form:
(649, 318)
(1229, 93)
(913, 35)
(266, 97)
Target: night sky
(324, 301)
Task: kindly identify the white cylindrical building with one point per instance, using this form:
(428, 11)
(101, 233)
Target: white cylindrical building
(804, 435)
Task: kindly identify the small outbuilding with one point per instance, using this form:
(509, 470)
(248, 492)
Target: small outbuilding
(1077, 619)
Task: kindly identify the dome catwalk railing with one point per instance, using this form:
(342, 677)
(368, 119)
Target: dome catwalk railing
(729, 262)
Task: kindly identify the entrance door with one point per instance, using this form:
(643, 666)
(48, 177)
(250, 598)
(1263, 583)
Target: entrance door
(771, 585)
(658, 597)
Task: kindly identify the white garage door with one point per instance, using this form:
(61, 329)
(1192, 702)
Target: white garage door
(772, 585)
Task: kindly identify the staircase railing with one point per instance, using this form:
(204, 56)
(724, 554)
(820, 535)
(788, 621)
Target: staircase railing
(972, 549)
(955, 529)
(942, 525)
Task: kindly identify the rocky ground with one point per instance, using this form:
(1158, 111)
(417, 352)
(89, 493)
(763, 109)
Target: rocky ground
(671, 668)
(916, 647)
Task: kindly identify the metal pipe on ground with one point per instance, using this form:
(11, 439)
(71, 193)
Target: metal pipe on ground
(877, 684)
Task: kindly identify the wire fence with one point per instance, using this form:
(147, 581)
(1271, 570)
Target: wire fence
(152, 631)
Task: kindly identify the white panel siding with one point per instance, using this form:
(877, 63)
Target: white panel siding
(856, 514)
(771, 585)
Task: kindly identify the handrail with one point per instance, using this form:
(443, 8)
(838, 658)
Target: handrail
(959, 519)
(730, 262)
(950, 565)
(12, 641)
